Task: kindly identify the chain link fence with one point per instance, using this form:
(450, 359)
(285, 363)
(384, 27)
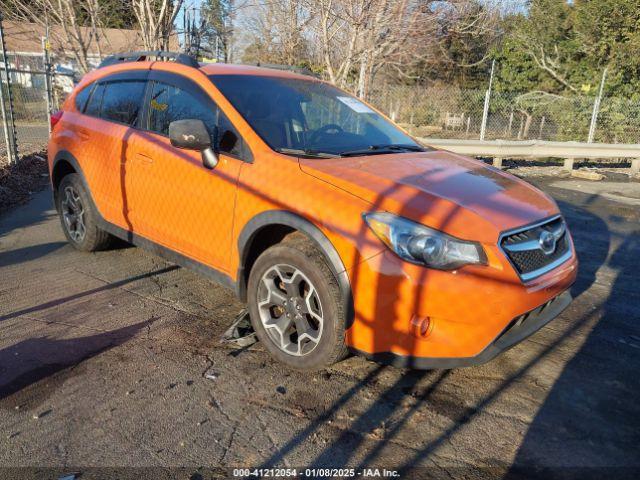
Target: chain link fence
(30, 114)
(28, 97)
(451, 112)
(29, 110)
(445, 112)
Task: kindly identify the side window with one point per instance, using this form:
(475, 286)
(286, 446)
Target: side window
(95, 102)
(82, 97)
(169, 103)
(122, 100)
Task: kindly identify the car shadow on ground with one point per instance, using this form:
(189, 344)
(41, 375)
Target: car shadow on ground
(27, 254)
(590, 417)
(38, 210)
(108, 286)
(33, 360)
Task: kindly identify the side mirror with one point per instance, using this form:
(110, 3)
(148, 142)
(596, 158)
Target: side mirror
(191, 134)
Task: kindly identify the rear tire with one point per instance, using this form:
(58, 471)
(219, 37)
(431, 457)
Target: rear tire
(296, 306)
(78, 217)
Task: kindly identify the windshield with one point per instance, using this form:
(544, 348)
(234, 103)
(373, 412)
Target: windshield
(308, 117)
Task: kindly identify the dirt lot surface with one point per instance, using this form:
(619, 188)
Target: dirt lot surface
(113, 360)
(19, 181)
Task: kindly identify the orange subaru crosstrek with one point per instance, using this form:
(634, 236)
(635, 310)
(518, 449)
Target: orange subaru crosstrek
(339, 230)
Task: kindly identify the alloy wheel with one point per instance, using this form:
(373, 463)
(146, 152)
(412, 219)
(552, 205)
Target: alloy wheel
(290, 310)
(73, 214)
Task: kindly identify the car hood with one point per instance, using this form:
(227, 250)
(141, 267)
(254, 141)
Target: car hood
(450, 192)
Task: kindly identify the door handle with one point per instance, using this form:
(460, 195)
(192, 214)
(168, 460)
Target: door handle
(143, 157)
(83, 134)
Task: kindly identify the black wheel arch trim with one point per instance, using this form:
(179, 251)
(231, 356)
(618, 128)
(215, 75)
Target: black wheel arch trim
(66, 156)
(301, 224)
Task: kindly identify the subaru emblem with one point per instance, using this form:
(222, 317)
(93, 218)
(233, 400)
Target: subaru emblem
(547, 242)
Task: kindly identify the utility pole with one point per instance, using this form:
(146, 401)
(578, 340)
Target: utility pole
(596, 108)
(7, 103)
(487, 97)
(185, 34)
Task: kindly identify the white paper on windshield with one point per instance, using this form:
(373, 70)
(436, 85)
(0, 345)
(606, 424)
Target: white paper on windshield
(355, 105)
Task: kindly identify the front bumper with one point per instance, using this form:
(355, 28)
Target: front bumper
(518, 330)
(471, 315)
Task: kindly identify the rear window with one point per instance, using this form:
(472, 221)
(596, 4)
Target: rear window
(121, 101)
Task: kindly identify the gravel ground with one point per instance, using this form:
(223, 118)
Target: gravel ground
(113, 360)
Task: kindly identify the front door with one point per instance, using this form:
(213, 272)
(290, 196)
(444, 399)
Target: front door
(173, 200)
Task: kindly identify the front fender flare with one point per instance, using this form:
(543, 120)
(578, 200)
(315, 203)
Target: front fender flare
(301, 224)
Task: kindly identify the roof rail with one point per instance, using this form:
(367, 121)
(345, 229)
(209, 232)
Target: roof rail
(153, 55)
(289, 68)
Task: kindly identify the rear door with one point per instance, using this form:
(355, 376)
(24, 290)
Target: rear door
(174, 200)
(111, 114)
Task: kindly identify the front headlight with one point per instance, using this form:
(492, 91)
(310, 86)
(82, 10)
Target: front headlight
(423, 245)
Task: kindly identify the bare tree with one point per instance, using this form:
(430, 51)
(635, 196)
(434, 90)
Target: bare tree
(77, 20)
(275, 31)
(211, 32)
(357, 38)
(351, 41)
(156, 19)
(389, 40)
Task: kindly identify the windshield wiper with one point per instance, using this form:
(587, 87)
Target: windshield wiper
(382, 149)
(306, 152)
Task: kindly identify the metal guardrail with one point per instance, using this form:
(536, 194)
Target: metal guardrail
(499, 149)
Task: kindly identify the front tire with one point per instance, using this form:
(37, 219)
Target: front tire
(296, 306)
(78, 217)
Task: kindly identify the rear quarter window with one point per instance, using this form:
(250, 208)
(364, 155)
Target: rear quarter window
(95, 101)
(82, 97)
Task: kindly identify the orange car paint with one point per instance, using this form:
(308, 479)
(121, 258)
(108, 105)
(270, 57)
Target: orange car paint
(132, 176)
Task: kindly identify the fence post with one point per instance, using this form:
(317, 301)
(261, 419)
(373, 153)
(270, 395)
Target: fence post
(7, 104)
(47, 77)
(487, 96)
(596, 108)
(568, 164)
(5, 120)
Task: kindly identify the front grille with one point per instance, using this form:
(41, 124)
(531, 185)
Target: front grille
(525, 249)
